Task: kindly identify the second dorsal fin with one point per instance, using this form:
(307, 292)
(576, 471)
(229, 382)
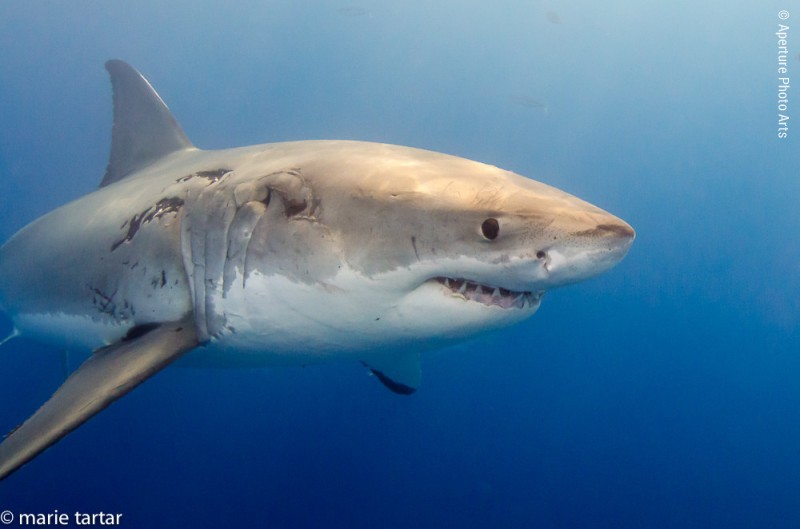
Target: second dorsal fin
(144, 129)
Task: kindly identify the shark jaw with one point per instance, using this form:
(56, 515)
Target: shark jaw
(488, 295)
(271, 320)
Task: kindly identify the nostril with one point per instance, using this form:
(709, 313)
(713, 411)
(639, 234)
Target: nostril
(541, 254)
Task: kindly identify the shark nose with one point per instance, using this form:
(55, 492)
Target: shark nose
(618, 235)
(619, 229)
(609, 229)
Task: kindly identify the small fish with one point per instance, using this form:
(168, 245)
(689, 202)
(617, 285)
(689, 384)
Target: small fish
(528, 101)
(553, 17)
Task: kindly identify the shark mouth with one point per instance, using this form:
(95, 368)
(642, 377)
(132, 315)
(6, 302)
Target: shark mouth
(499, 297)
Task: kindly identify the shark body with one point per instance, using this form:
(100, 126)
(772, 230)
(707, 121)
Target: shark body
(280, 253)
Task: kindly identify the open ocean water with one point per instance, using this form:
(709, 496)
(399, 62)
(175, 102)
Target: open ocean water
(663, 394)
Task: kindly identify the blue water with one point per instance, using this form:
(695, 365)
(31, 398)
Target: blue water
(665, 393)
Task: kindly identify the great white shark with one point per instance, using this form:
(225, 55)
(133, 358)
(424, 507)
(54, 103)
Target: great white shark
(280, 253)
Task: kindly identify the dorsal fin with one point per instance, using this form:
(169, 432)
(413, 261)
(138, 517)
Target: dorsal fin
(144, 129)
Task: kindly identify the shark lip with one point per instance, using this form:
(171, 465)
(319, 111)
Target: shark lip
(489, 295)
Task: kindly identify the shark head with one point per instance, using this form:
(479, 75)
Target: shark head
(376, 246)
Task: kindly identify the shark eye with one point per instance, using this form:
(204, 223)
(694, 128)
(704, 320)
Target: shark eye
(490, 228)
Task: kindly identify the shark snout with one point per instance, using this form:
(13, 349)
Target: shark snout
(617, 236)
(590, 244)
(600, 228)
(599, 224)
(620, 230)
(610, 234)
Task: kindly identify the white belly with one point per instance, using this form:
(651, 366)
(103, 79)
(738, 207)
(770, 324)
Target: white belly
(271, 320)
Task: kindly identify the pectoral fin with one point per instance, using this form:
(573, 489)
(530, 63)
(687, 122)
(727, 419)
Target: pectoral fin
(400, 373)
(108, 374)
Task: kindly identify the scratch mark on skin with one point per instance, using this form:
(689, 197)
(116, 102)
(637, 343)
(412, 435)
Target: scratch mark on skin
(106, 303)
(159, 282)
(162, 207)
(213, 176)
(414, 244)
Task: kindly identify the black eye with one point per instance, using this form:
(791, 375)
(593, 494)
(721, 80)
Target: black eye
(490, 228)
(541, 254)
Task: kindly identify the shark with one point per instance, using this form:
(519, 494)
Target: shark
(280, 253)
